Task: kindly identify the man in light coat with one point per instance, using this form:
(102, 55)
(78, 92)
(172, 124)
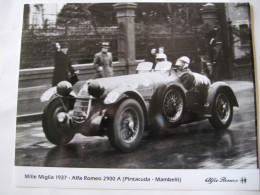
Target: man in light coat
(103, 62)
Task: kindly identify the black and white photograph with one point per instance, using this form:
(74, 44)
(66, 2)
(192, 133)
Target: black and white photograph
(137, 86)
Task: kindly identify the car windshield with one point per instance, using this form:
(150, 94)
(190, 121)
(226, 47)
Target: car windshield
(163, 66)
(144, 67)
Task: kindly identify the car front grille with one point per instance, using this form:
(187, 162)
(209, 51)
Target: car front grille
(81, 110)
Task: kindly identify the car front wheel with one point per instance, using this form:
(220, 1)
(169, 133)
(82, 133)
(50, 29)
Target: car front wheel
(222, 111)
(56, 132)
(127, 126)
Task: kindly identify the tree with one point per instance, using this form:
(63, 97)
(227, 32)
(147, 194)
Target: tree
(151, 13)
(103, 14)
(169, 13)
(97, 14)
(73, 14)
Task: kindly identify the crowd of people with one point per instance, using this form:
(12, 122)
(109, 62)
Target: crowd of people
(103, 64)
(63, 69)
(212, 58)
(103, 61)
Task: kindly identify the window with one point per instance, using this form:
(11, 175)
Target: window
(244, 32)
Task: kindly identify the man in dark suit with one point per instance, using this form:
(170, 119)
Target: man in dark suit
(62, 65)
(217, 61)
(103, 62)
(151, 57)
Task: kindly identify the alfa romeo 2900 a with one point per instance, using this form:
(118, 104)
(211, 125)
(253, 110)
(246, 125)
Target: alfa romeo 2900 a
(123, 107)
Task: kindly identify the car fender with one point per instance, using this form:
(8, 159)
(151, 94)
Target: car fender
(52, 92)
(48, 94)
(157, 97)
(214, 88)
(117, 94)
(181, 88)
(162, 89)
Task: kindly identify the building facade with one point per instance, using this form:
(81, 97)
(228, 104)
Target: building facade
(239, 16)
(40, 16)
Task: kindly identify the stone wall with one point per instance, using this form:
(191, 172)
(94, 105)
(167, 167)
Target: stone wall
(33, 82)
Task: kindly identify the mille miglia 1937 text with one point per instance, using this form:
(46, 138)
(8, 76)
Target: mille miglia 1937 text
(44, 177)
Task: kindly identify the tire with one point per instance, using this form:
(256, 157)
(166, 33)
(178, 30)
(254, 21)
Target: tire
(222, 111)
(127, 126)
(169, 113)
(56, 132)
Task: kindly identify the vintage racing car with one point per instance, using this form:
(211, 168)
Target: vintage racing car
(123, 107)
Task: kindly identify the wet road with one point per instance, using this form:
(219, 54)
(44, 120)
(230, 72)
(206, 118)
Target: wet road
(192, 146)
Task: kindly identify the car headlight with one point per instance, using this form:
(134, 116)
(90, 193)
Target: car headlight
(64, 88)
(95, 89)
(61, 117)
(111, 97)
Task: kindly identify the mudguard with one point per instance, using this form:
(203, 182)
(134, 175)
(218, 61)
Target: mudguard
(48, 94)
(119, 93)
(214, 88)
(157, 97)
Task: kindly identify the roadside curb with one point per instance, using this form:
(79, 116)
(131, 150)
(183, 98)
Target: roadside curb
(26, 118)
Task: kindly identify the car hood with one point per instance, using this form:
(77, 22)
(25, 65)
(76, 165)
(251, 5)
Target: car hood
(135, 81)
(144, 83)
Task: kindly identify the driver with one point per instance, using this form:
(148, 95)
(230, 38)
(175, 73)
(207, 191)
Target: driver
(184, 73)
(191, 80)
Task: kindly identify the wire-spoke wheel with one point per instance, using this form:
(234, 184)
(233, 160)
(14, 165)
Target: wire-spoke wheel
(223, 108)
(222, 111)
(173, 105)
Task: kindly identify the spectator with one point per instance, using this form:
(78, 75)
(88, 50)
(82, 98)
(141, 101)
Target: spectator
(161, 51)
(217, 61)
(152, 56)
(212, 37)
(208, 61)
(160, 57)
(62, 65)
(213, 34)
(103, 62)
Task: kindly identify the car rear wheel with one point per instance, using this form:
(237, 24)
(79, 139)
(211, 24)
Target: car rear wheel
(222, 111)
(173, 106)
(127, 126)
(55, 131)
(170, 112)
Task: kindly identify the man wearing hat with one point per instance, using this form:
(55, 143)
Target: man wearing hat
(217, 61)
(103, 62)
(211, 38)
(62, 64)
